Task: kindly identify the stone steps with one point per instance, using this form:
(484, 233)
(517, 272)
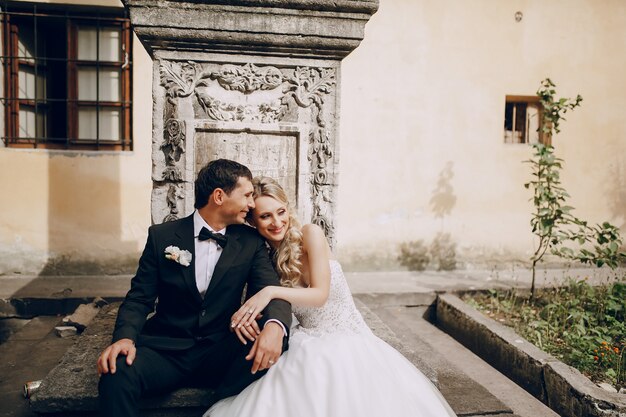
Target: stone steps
(399, 319)
(77, 394)
(471, 386)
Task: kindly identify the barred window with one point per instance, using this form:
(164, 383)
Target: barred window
(522, 118)
(67, 77)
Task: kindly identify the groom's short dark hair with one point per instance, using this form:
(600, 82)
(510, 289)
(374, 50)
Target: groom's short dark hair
(220, 173)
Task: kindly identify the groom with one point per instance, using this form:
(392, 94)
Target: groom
(191, 275)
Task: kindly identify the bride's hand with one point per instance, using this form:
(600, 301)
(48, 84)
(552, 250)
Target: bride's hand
(248, 312)
(248, 332)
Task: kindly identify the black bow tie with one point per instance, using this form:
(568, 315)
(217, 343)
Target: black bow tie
(206, 234)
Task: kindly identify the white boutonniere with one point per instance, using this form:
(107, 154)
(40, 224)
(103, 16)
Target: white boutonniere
(174, 253)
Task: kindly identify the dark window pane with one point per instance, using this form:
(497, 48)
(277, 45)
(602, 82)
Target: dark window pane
(508, 116)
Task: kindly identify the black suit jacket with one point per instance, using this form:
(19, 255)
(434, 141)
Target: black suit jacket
(182, 317)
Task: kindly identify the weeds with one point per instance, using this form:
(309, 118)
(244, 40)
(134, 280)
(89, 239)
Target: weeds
(582, 325)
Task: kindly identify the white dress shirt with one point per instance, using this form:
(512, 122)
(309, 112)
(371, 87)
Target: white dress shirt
(208, 252)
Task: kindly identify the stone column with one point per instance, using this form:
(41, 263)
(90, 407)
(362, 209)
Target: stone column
(252, 80)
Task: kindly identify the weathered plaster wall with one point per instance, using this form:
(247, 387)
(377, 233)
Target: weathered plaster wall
(421, 142)
(422, 119)
(79, 212)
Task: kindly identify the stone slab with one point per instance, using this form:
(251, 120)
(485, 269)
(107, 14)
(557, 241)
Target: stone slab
(560, 386)
(78, 391)
(83, 315)
(313, 28)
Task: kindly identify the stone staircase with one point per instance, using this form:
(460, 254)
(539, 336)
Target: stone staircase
(471, 386)
(77, 393)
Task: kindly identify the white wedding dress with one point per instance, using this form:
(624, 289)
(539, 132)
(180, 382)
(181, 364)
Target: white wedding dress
(336, 367)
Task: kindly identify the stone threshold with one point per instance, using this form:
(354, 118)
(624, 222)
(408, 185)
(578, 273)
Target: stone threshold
(561, 387)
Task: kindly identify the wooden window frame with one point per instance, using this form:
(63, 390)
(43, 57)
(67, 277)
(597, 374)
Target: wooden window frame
(524, 100)
(74, 17)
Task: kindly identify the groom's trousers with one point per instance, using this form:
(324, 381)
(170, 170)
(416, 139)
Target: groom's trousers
(221, 366)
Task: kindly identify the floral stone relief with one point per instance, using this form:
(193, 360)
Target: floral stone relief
(249, 94)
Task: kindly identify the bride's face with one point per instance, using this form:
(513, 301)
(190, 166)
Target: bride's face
(271, 219)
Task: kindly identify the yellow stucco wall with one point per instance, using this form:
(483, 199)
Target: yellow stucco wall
(80, 212)
(421, 142)
(424, 95)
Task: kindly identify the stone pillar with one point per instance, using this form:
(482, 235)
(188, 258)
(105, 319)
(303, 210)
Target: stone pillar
(252, 80)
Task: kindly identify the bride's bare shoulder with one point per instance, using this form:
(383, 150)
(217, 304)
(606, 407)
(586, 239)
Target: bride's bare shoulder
(313, 237)
(312, 232)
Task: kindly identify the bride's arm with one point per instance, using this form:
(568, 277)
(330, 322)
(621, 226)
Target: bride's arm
(315, 295)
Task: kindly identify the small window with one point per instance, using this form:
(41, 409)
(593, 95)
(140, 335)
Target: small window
(67, 77)
(522, 116)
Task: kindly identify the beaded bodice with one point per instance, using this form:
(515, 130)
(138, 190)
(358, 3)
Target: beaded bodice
(339, 314)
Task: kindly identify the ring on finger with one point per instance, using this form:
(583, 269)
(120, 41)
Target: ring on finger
(271, 362)
(251, 311)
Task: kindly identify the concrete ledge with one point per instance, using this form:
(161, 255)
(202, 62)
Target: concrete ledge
(572, 393)
(52, 295)
(559, 386)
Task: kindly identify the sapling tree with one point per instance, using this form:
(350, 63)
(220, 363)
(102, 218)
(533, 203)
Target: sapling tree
(552, 220)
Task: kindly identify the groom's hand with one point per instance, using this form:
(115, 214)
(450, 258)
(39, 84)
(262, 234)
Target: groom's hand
(108, 357)
(267, 347)
(247, 331)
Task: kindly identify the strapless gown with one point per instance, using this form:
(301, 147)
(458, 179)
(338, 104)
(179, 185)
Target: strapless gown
(336, 367)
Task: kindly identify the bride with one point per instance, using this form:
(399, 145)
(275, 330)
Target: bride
(335, 365)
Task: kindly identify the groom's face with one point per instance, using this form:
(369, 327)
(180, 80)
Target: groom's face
(235, 206)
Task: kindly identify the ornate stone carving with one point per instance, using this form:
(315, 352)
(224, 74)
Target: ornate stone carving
(218, 110)
(305, 86)
(248, 78)
(184, 79)
(308, 87)
(174, 193)
(173, 147)
(179, 79)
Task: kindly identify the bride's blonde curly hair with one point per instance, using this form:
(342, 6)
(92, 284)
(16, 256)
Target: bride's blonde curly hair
(287, 256)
